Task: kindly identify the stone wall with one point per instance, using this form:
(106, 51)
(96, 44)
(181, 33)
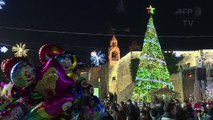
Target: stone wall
(122, 84)
(176, 80)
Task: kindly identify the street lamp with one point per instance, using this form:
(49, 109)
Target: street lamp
(99, 85)
(99, 80)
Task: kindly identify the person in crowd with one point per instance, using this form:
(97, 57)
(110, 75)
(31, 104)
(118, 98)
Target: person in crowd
(107, 116)
(137, 111)
(154, 113)
(177, 102)
(160, 109)
(201, 114)
(184, 105)
(144, 115)
(180, 115)
(188, 111)
(169, 112)
(130, 110)
(123, 110)
(111, 97)
(209, 114)
(208, 106)
(115, 97)
(116, 113)
(112, 107)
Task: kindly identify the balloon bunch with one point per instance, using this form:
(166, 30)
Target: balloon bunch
(53, 90)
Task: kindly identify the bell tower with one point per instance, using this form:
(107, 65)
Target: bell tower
(113, 52)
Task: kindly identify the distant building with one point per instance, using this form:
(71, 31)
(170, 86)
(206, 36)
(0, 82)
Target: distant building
(116, 76)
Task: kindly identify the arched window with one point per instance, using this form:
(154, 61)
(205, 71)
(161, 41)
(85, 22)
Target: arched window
(114, 56)
(114, 44)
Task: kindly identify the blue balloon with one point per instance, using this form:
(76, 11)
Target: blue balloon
(22, 74)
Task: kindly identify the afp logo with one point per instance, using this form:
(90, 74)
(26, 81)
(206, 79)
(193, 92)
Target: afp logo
(188, 16)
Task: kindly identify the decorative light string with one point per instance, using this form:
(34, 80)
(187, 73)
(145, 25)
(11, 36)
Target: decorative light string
(151, 58)
(153, 80)
(151, 41)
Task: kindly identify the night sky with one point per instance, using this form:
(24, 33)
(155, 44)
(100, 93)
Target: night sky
(85, 25)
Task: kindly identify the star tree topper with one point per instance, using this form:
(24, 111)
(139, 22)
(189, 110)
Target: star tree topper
(150, 10)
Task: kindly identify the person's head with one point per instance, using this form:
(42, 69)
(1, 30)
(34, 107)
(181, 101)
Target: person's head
(145, 115)
(162, 103)
(208, 106)
(183, 105)
(91, 90)
(122, 103)
(129, 102)
(203, 109)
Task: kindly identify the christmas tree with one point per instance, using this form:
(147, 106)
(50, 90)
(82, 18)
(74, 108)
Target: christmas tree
(152, 71)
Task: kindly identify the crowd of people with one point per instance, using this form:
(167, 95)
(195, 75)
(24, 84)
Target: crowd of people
(163, 110)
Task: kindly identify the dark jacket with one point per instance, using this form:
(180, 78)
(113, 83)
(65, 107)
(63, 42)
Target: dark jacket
(167, 116)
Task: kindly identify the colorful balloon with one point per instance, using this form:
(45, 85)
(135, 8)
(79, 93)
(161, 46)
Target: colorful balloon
(50, 91)
(53, 80)
(7, 90)
(48, 51)
(86, 105)
(23, 74)
(69, 62)
(7, 65)
(13, 111)
(50, 108)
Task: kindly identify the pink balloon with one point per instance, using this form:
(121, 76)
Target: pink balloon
(57, 106)
(53, 80)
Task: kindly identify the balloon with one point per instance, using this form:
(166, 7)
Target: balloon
(69, 62)
(51, 108)
(7, 90)
(82, 82)
(13, 111)
(58, 105)
(23, 74)
(86, 105)
(46, 86)
(7, 65)
(53, 80)
(48, 51)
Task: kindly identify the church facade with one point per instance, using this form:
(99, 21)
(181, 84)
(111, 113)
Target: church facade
(116, 75)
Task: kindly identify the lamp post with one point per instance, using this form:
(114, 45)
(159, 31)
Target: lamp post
(99, 85)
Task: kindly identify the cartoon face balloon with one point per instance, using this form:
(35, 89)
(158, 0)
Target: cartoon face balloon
(22, 74)
(47, 85)
(67, 60)
(7, 65)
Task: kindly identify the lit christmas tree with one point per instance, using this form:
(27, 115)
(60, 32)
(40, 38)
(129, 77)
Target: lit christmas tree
(152, 71)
